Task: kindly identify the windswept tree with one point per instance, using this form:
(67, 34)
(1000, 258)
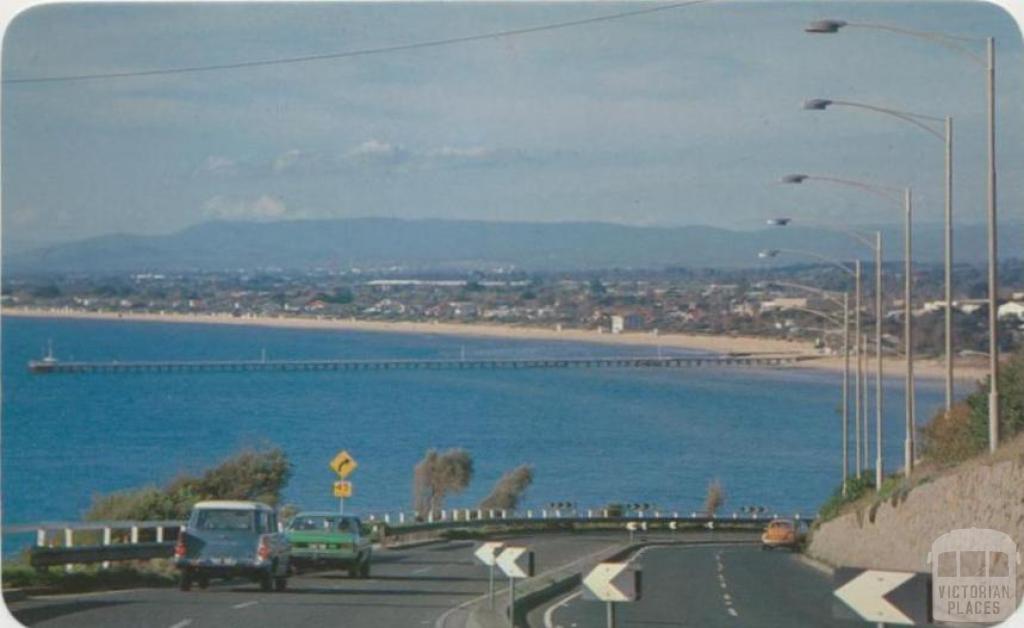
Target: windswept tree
(510, 488)
(438, 475)
(715, 498)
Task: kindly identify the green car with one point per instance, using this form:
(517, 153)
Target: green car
(329, 541)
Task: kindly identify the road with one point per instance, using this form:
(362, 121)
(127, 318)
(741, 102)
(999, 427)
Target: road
(708, 586)
(423, 586)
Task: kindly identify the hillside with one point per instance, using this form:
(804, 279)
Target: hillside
(461, 245)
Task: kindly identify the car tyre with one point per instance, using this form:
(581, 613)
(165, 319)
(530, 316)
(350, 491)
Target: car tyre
(266, 582)
(185, 582)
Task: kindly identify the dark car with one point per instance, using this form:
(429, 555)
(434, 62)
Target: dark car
(230, 539)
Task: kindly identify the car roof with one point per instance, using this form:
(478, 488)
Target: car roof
(323, 513)
(231, 505)
(777, 521)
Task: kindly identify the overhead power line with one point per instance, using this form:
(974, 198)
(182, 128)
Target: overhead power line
(353, 53)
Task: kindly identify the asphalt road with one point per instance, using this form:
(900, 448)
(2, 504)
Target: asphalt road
(707, 586)
(424, 586)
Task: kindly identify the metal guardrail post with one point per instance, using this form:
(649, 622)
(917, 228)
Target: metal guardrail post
(106, 541)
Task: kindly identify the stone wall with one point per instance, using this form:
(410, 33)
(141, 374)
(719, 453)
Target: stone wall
(898, 533)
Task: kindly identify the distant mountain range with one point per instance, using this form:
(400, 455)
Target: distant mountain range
(380, 243)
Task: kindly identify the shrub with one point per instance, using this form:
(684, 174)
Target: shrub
(438, 475)
(715, 498)
(949, 437)
(855, 489)
(250, 475)
(509, 489)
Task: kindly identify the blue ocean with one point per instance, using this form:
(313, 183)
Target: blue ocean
(593, 436)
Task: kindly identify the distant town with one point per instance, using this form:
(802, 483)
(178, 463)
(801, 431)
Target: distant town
(774, 302)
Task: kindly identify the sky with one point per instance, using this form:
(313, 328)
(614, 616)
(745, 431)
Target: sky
(679, 117)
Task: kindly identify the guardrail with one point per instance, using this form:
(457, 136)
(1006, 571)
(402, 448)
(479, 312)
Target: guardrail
(68, 543)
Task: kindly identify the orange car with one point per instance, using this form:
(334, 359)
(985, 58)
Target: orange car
(780, 533)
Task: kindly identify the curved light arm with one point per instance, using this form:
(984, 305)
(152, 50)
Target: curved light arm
(888, 192)
(822, 330)
(906, 116)
(952, 42)
(829, 260)
(827, 294)
(825, 315)
(860, 236)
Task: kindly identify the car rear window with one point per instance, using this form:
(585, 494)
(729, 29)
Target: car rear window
(219, 519)
(324, 524)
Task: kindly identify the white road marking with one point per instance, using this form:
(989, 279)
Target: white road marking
(722, 583)
(182, 623)
(732, 611)
(245, 604)
(548, 614)
(727, 597)
(421, 570)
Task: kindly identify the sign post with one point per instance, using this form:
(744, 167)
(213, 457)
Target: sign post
(487, 554)
(612, 583)
(343, 464)
(516, 562)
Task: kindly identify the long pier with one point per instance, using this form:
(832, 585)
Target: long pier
(51, 366)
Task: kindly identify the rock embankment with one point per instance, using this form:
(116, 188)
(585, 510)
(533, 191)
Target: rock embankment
(897, 534)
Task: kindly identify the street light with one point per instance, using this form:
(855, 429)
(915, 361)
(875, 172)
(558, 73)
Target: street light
(846, 366)
(890, 194)
(957, 43)
(862, 387)
(923, 122)
(769, 253)
(855, 272)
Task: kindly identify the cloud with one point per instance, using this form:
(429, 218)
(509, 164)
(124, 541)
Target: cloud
(264, 207)
(219, 165)
(475, 152)
(374, 151)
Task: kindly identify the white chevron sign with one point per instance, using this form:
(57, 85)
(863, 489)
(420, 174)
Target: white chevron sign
(867, 593)
(488, 552)
(612, 582)
(516, 562)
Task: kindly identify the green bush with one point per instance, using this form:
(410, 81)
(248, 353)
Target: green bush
(249, 475)
(950, 438)
(855, 489)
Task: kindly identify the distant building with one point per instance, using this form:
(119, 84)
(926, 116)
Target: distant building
(627, 322)
(1013, 309)
(783, 303)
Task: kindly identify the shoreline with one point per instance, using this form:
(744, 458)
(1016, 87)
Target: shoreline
(927, 369)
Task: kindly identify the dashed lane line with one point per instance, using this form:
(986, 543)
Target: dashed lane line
(182, 623)
(246, 604)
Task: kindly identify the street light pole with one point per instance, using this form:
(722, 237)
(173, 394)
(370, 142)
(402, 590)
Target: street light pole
(908, 336)
(925, 123)
(846, 390)
(858, 408)
(993, 259)
(879, 466)
(956, 43)
(949, 264)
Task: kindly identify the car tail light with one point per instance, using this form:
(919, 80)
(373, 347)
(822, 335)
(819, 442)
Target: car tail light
(264, 550)
(179, 547)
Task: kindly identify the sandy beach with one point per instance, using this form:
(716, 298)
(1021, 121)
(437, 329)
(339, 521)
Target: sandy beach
(967, 372)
